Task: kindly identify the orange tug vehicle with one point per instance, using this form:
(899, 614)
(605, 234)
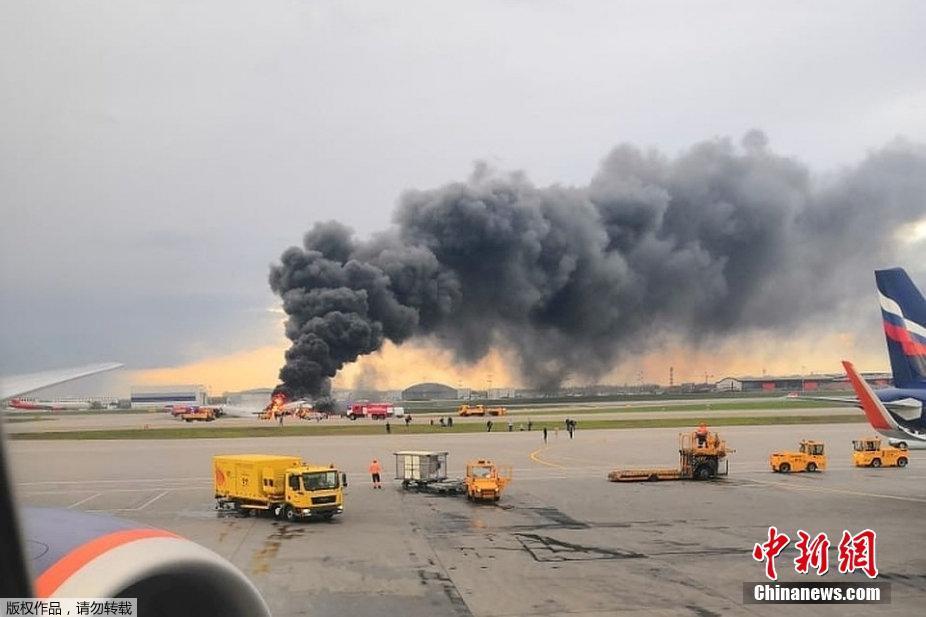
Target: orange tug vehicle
(809, 457)
(484, 481)
(481, 410)
(868, 452)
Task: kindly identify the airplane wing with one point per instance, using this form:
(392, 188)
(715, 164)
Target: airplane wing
(76, 554)
(14, 579)
(16, 385)
(841, 400)
(898, 405)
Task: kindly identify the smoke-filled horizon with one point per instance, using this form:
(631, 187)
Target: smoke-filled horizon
(719, 240)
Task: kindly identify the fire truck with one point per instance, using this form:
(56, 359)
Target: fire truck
(375, 411)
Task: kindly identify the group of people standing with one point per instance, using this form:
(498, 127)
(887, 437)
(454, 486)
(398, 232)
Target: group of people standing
(447, 422)
(570, 427)
(407, 419)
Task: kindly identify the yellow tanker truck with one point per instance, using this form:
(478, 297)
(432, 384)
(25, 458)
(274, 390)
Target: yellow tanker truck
(285, 486)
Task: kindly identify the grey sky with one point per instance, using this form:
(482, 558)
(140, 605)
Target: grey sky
(157, 156)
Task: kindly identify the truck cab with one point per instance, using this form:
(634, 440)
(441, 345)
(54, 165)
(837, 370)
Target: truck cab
(312, 491)
(809, 457)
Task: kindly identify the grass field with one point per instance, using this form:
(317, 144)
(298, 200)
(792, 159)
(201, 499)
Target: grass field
(760, 405)
(379, 429)
(29, 419)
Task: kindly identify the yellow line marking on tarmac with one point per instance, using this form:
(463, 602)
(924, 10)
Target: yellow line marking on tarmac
(822, 489)
(535, 456)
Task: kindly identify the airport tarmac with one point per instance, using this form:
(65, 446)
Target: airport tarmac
(563, 540)
(77, 422)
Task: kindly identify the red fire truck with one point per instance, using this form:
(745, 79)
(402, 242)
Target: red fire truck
(375, 411)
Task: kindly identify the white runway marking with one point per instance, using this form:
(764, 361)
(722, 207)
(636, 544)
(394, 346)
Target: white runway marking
(84, 500)
(66, 491)
(121, 481)
(137, 508)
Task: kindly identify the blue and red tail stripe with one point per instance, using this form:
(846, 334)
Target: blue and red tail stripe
(903, 310)
(911, 344)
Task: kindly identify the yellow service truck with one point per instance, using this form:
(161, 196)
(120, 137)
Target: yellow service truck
(285, 486)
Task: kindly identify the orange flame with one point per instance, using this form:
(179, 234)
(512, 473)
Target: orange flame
(276, 403)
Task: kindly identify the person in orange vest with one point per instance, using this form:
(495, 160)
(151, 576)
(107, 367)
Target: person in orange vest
(375, 470)
(701, 434)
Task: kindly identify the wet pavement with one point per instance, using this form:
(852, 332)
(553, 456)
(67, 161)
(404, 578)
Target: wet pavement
(562, 540)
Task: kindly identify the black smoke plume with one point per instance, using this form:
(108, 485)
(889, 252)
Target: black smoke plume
(718, 240)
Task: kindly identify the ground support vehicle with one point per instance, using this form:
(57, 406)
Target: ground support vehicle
(699, 459)
(484, 481)
(809, 457)
(481, 410)
(425, 471)
(868, 452)
(285, 486)
(202, 414)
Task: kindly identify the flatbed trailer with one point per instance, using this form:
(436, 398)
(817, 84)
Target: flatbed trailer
(645, 474)
(697, 461)
(442, 487)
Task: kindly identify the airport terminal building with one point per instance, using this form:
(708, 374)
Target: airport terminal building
(159, 396)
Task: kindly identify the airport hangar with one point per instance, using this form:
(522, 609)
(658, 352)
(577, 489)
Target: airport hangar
(792, 383)
(429, 392)
(143, 397)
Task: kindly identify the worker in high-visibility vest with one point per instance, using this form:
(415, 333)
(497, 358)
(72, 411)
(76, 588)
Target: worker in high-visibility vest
(375, 471)
(701, 434)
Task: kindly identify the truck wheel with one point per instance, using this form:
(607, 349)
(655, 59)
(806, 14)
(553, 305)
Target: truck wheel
(902, 461)
(902, 445)
(289, 513)
(811, 467)
(785, 468)
(876, 462)
(703, 472)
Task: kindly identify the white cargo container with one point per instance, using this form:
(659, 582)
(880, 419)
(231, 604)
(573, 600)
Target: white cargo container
(420, 467)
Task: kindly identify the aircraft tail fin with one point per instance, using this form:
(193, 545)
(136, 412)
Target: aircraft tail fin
(878, 415)
(903, 312)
